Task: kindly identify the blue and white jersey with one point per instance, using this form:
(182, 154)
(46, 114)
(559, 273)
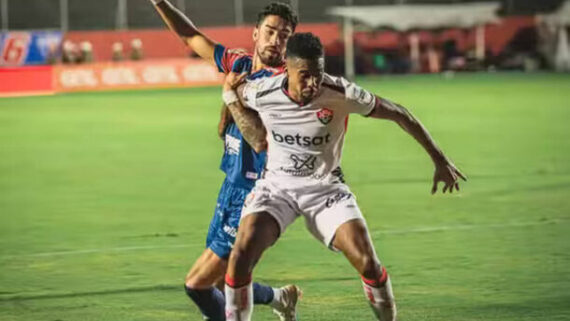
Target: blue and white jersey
(242, 165)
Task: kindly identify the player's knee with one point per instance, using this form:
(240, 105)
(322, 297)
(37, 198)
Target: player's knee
(193, 281)
(243, 248)
(240, 265)
(198, 279)
(250, 239)
(189, 287)
(256, 233)
(192, 292)
(246, 250)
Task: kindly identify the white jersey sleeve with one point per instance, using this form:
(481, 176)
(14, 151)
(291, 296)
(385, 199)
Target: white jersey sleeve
(250, 94)
(357, 99)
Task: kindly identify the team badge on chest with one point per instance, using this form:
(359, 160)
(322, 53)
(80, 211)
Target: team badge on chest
(325, 115)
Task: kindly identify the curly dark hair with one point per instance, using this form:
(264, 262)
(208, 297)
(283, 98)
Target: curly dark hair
(305, 46)
(280, 9)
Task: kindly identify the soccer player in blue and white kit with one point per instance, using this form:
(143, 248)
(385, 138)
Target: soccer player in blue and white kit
(244, 156)
(304, 112)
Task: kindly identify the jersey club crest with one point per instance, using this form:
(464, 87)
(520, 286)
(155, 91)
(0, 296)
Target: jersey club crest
(325, 115)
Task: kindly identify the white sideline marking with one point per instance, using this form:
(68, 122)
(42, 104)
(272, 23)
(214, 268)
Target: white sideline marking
(373, 233)
(466, 227)
(111, 249)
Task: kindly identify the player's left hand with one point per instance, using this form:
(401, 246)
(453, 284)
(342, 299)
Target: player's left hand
(233, 80)
(447, 173)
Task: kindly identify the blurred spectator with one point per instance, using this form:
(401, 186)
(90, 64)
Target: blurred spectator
(379, 61)
(546, 42)
(53, 54)
(414, 40)
(433, 60)
(472, 62)
(86, 52)
(363, 63)
(400, 61)
(137, 49)
(118, 54)
(457, 63)
(453, 59)
(69, 53)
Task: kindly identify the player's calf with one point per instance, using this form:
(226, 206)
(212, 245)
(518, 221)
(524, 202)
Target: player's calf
(353, 239)
(198, 285)
(377, 286)
(239, 299)
(367, 266)
(210, 302)
(257, 232)
(380, 296)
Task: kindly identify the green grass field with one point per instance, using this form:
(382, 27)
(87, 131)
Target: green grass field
(105, 199)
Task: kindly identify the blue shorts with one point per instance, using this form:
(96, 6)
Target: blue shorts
(224, 225)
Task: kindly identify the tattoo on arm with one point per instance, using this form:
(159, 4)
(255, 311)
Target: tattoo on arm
(249, 122)
(250, 125)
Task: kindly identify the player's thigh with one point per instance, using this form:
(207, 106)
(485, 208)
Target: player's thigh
(353, 240)
(266, 214)
(225, 224)
(206, 271)
(216, 224)
(327, 209)
(257, 232)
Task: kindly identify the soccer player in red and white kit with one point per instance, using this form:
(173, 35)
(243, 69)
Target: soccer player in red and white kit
(244, 156)
(304, 112)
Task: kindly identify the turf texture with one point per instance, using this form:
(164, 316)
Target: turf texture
(105, 199)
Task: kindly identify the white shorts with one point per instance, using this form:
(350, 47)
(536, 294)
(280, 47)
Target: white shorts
(325, 206)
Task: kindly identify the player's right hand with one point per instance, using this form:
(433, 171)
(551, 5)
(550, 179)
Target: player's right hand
(233, 80)
(447, 173)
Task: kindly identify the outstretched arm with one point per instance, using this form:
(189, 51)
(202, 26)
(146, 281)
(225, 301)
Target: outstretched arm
(445, 170)
(179, 23)
(247, 119)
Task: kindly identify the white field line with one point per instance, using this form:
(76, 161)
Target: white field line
(101, 250)
(442, 228)
(462, 227)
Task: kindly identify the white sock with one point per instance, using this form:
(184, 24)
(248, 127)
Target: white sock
(239, 303)
(276, 302)
(381, 300)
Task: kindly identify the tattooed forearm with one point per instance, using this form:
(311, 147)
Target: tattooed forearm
(250, 125)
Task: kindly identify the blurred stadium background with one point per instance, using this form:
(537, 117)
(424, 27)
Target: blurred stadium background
(109, 156)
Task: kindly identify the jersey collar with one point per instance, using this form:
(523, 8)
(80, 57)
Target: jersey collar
(284, 88)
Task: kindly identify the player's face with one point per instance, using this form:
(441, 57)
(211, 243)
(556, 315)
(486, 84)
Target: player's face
(305, 77)
(271, 40)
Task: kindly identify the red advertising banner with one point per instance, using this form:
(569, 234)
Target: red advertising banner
(136, 75)
(26, 81)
